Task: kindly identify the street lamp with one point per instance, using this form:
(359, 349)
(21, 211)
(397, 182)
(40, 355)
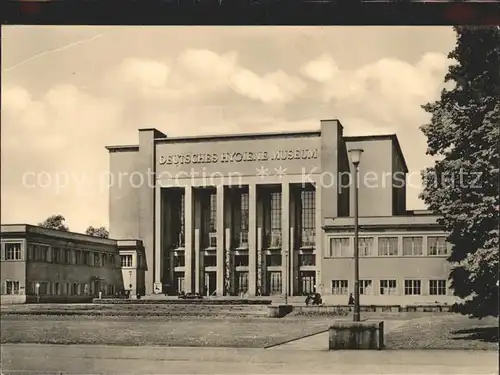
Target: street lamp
(355, 159)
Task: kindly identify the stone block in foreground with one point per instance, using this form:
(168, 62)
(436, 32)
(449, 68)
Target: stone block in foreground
(278, 311)
(356, 335)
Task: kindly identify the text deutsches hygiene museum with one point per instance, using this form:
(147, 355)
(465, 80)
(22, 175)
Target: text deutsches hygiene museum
(237, 157)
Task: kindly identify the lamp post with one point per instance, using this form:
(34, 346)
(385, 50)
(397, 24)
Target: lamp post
(355, 159)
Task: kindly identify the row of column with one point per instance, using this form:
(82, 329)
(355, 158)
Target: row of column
(194, 269)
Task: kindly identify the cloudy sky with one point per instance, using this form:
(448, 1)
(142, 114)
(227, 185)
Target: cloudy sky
(69, 91)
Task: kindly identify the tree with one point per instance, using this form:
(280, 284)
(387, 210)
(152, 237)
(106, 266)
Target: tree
(97, 232)
(463, 185)
(54, 222)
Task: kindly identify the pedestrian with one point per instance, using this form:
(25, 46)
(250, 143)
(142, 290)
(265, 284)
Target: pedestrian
(351, 299)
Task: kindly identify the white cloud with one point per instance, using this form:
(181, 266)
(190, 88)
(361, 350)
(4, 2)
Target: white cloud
(321, 69)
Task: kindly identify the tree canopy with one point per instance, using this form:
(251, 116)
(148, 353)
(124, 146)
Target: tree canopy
(97, 232)
(463, 185)
(54, 222)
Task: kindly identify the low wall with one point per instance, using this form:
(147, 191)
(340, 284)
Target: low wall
(343, 310)
(109, 301)
(59, 299)
(279, 311)
(12, 299)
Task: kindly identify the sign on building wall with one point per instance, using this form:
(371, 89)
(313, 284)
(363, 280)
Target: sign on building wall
(243, 157)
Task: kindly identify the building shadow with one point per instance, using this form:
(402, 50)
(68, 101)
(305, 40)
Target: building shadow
(484, 334)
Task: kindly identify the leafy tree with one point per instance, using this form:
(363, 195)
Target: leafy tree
(97, 232)
(54, 222)
(463, 185)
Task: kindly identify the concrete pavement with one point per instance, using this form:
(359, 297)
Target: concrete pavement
(96, 359)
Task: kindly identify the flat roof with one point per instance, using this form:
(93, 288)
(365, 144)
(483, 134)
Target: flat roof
(29, 228)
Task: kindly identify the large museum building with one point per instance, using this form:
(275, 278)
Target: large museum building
(272, 214)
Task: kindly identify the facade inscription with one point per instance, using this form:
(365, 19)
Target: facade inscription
(237, 157)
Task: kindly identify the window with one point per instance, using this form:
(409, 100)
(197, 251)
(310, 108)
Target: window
(179, 261)
(437, 246)
(412, 246)
(437, 287)
(242, 280)
(67, 256)
(75, 289)
(41, 253)
(210, 260)
(57, 289)
(126, 260)
(412, 287)
(307, 259)
(12, 287)
(388, 246)
(104, 260)
(339, 287)
(44, 288)
(178, 207)
(210, 220)
(388, 287)
(78, 257)
(340, 247)
(244, 225)
(365, 287)
(365, 246)
(241, 261)
(273, 260)
(56, 255)
(87, 258)
(97, 260)
(110, 290)
(31, 252)
(307, 218)
(274, 282)
(273, 220)
(12, 251)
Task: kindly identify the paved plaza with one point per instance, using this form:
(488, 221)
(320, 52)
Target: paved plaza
(82, 359)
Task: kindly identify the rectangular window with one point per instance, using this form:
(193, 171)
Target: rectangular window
(209, 209)
(56, 255)
(388, 246)
(57, 289)
(12, 251)
(273, 260)
(12, 287)
(104, 260)
(340, 247)
(437, 287)
(178, 208)
(365, 246)
(307, 259)
(244, 225)
(274, 282)
(97, 260)
(307, 207)
(437, 245)
(273, 220)
(388, 287)
(413, 287)
(68, 258)
(210, 260)
(412, 246)
(242, 280)
(126, 260)
(340, 287)
(179, 261)
(78, 257)
(41, 253)
(241, 261)
(75, 289)
(365, 287)
(44, 288)
(31, 252)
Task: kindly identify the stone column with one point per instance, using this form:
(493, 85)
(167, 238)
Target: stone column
(189, 248)
(220, 240)
(228, 264)
(319, 250)
(197, 263)
(285, 237)
(254, 253)
(158, 263)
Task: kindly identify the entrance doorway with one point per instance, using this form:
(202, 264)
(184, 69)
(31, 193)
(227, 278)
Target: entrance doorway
(210, 283)
(274, 282)
(179, 282)
(241, 283)
(307, 282)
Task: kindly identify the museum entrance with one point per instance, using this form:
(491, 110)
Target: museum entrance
(210, 283)
(274, 283)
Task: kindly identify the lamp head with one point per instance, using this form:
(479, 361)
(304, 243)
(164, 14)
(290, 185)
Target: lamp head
(356, 155)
